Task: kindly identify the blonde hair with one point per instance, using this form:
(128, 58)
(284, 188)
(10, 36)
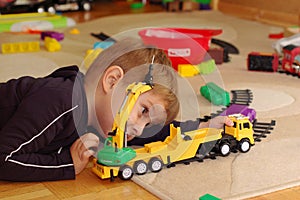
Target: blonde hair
(134, 57)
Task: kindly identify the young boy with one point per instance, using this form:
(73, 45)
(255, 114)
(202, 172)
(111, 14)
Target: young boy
(44, 121)
(42, 118)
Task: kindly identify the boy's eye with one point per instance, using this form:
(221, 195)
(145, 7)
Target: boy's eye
(144, 110)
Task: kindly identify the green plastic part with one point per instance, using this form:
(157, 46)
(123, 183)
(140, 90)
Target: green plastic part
(137, 5)
(207, 67)
(113, 156)
(208, 197)
(215, 94)
(203, 1)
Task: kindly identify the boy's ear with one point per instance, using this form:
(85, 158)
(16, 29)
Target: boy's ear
(111, 77)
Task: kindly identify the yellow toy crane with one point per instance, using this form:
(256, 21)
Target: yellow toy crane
(116, 159)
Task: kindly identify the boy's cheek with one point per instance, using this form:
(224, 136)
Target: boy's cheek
(157, 114)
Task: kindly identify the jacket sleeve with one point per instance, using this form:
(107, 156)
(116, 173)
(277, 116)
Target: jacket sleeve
(36, 122)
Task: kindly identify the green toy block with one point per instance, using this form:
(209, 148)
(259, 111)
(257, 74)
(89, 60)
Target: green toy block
(215, 94)
(208, 197)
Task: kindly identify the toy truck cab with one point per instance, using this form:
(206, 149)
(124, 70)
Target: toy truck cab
(242, 131)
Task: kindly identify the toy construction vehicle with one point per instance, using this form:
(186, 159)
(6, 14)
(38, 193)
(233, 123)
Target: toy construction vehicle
(116, 159)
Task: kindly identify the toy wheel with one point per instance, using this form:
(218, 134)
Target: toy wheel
(86, 6)
(51, 10)
(155, 164)
(40, 10)
(244, 145)
(140, 167)
(125, 172)
(224, 148)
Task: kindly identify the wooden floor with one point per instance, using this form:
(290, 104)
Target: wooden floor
(87, 185)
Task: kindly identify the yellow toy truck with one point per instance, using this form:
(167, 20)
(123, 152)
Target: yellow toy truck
(116, 159)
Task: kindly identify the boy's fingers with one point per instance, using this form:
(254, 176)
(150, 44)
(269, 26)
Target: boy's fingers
(86, 154)
(228, 122)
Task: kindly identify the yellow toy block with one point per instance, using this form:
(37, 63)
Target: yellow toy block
(20, 47)
(90, 56)
(52, 44)
(75, 31)
(187, 70)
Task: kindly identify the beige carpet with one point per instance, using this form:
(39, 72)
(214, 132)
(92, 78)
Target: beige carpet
(270, 165)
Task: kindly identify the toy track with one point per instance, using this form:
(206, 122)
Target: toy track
(244, 97)
(262, 129)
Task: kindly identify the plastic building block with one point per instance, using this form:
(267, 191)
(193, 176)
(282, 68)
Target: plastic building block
(75, 31)
(103, 44)
(217, 54)
(20, 47)
(207, 67)
(215, 94)
(53, 34)
(240, 109)
(52, 44)
(137, 5)
(208, 197)
(90, 56)
(187, 70)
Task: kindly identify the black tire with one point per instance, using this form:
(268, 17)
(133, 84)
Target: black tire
(224, 148)
(244, 145)
(125, 172)
(155, 165)
(140, 167)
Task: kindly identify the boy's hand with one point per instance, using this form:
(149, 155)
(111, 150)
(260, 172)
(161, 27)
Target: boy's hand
(217, 122)
(80, 150)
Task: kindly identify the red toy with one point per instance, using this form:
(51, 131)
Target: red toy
(291, 59)
(182, 45)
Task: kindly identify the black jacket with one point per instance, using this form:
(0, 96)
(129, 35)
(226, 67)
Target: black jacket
(39, 120)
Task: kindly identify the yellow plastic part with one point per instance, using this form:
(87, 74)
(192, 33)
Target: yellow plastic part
(135, 90)
(75, 31)
(242, 129)
(90, 56)
(52, 44)
(187, 70)
(103, 171)
(20, 47)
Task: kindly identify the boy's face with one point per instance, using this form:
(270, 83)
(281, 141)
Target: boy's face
(148, 109)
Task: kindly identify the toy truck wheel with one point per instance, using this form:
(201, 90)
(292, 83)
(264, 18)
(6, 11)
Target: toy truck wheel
(51, 10)
(125, 172)
(224, 148)
(86, 6)
(155, 165)
(244, 145)
(140, 167)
